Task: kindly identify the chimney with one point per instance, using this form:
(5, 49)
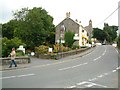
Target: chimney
(67, 14)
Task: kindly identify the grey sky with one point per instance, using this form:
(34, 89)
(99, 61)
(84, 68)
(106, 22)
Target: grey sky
(82, 10)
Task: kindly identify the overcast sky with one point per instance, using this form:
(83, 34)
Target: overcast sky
(82, 10)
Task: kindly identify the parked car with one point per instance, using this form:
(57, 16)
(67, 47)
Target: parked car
(114, 45)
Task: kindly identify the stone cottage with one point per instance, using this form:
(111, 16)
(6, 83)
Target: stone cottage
(81, 33)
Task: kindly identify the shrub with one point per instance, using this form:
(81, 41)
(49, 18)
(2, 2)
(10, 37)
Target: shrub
(56, 48)
(41, 49)
(75, 47)
(8, 44)
(69, 38)
(20, 53)
(118, 42)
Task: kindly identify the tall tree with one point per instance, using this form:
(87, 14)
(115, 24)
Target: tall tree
(111, 32)
(99, 34)
(8, 29)
(35, 26)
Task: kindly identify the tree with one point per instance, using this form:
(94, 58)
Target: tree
(69, 38)
(99, 34)
(111, 32)
(8, 29)
(35, 27)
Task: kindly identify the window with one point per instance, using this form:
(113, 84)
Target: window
(82, 30)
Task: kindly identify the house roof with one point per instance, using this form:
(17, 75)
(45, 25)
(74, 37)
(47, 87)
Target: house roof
(67, 19)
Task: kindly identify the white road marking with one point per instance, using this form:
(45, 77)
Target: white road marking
(118, 68)
(101, 85)
(71, 87)
(105, 73)
(100, 76)
(65, 68)
(17, 76)
(73, 66)
(97, 58)
(90, 84)
(114, 70)
(93, 79)
(81, 83)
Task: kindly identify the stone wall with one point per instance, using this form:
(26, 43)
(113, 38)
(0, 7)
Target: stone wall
(19, 60)
(61, 54)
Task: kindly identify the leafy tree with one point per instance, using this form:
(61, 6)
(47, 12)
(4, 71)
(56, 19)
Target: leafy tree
(111, 32)
(35, 27)
(69, 38)
(99, 34)
(8, 29)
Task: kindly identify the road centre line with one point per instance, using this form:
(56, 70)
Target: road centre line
(73, 66)
(97, 58)
(25, 75)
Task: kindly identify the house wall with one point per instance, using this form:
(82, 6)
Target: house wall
(69, 24)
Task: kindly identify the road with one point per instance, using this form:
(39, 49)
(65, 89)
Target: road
(98, 69)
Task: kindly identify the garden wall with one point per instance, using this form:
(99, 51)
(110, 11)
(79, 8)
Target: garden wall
(19, 60)
(61, 54)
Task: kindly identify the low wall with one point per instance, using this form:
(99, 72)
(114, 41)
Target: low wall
(61, 54)
(19, 60)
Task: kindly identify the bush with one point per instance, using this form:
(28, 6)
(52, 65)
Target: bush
(20, 53)
(75, 47)
(69, 38)
(8, 44)
(118, 42)
(41, 49)
(56, 48)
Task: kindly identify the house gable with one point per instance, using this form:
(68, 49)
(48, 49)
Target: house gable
(69, 24)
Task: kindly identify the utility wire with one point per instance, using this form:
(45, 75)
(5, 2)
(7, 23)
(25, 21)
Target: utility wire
(109, 16)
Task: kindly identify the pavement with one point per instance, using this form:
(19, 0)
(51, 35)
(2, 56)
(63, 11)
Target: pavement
(37, 61)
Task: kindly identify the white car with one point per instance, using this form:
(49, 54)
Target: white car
(114, 45)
